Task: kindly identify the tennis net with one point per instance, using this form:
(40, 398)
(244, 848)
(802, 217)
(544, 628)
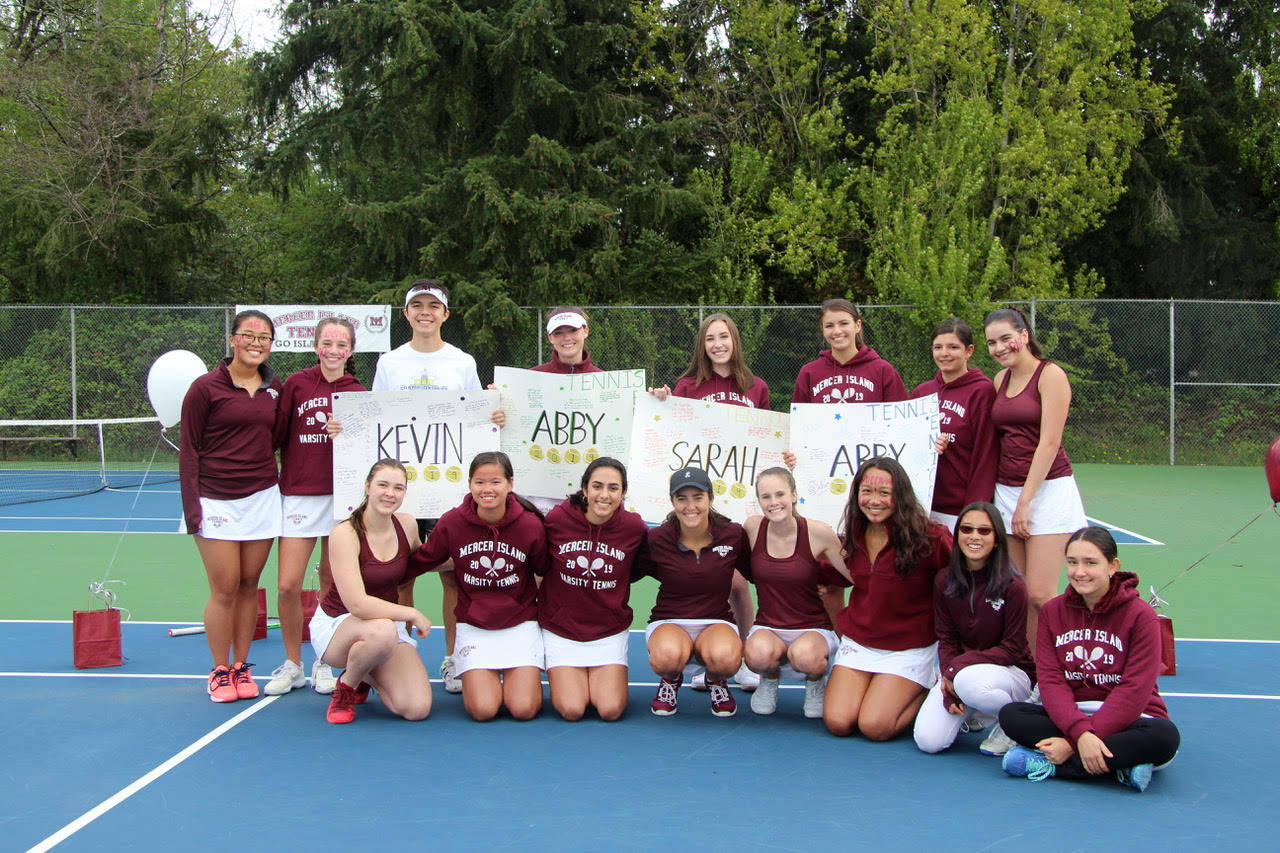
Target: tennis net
(49, 459)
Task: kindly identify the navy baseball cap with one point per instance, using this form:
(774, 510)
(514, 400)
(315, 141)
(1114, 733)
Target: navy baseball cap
(690, 476)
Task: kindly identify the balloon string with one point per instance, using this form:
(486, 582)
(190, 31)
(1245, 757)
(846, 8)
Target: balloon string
(1157, 601)
(100, 588)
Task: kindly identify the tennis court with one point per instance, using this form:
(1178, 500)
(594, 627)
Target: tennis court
(136, 756)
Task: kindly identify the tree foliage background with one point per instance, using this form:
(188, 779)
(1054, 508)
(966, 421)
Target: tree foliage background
(533, 152)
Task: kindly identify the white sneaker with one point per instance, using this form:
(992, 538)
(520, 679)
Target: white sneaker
(996, 742)
(287, 676)
(323, 680)
(765, 699)
(747, 679)
(814, 693)
(452, 683)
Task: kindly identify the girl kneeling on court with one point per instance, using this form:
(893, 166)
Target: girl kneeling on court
(592, 543)
(1097, 660)
(889, 655)
(980, 614)
(694, 555)
(791, 557)
(495, 544)
(359, 625)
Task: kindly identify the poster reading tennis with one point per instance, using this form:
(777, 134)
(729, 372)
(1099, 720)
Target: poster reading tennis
(733, 444)
(831, 441)
(556, 423)
(434, 433)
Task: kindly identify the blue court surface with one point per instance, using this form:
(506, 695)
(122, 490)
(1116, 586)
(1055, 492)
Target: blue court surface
(136, 757)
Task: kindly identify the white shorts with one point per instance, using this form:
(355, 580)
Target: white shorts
(692, 627)
(1056, 508)
(307, 516)
(242, 519)
(788, 636)
(323, 626)
(602, 652)
(918, 665)
(505, 648)
(947, 521)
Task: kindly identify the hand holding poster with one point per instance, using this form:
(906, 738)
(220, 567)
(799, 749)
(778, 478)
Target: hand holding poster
(434, 433)
(556, 423)
(731, 443)
(831, 441)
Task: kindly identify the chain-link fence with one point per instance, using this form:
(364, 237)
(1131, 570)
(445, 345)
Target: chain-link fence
(1186, 382)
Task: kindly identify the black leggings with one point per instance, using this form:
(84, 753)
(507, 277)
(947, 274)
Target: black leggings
(1148, 740)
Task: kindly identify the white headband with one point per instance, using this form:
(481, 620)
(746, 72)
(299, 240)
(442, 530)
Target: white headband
(572, 319)
(426, 291)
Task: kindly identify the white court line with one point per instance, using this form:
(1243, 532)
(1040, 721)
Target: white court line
(143, 781)
(654, 684)
(165, 519)
(1146, 540)
(108, 530)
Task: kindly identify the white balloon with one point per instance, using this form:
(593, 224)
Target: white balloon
(168, 380)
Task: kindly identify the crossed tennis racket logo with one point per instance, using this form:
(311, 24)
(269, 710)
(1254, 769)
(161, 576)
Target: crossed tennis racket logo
(492, 568)
(843, 395)
(589, 569)
(1088, 661)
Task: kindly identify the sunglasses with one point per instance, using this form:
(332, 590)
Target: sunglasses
(981, 530)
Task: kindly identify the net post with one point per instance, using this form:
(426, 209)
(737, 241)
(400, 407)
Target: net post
(74, 432)
(1173, 392)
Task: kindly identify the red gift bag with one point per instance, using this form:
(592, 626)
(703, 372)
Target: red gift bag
(310, 601)
(96, 634)
(1168, 652)
(260, 628)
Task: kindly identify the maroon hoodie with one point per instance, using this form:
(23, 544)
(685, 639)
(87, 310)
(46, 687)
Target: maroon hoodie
(967, 469)
(722, 389)
(975, 628)
(494, 564)
(555, 365)
(589, 571)
(1110, 655)
(228, 445)
(306, 456)
(865, 378)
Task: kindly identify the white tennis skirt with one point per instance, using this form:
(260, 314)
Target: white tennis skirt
(918, 665)
(788, 636)
(505, 648)
(243, 519)
(602, 652)
(692, 627)
(1056, 508)
(307, 516)
(323, 627)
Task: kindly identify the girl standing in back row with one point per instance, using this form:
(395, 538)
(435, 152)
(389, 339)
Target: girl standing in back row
(849, 372)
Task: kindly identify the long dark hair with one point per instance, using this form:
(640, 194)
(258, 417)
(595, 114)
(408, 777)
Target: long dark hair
(503, 461)
(837, 304)
(909, 523)
(1019, 322)
(357, 515)
(579, 498)
(954, 326)
(999, 567)
(700, 366)
(1097, 536)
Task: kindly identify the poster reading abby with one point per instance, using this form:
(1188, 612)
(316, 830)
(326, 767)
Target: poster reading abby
(831, 441)
(733, 444)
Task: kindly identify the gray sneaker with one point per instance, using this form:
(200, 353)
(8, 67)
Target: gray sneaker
(814, 693)
(452, 683)
(996, 742)
(323, 680)
(287, 676)
(765, 700)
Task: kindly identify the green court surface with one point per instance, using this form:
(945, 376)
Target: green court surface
(1192, 510)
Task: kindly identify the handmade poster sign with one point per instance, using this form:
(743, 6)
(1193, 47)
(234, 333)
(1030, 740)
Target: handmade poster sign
(434, 433)
(831, 441)
(556, 423)
(732, 444)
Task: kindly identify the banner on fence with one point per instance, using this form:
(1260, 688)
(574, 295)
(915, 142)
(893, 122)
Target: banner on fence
(831, 441)
(296, 324)
(557, 422)
(731, 443)
(434, 433)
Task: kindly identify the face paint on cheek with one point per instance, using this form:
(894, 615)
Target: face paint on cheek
(1016, 345)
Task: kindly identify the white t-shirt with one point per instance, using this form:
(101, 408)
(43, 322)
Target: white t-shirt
(406, 369)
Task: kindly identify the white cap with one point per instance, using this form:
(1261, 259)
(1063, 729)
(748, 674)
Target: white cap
(572, 319)
(426, 290)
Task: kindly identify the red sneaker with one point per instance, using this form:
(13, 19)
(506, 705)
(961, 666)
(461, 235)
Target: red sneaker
(362, 692)
(342, 704)
(220, 687)
(664, 704)
(722, 702)
(242, 677)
